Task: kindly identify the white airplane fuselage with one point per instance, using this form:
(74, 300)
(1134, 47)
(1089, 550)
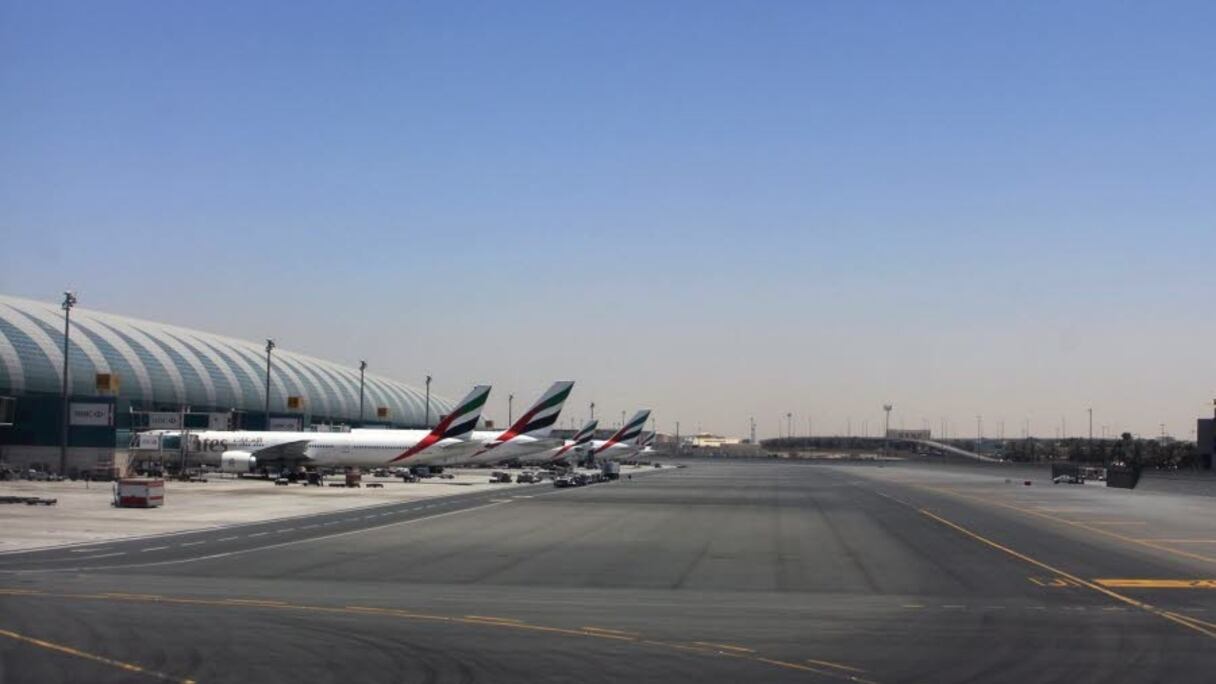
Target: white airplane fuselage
(330, 449)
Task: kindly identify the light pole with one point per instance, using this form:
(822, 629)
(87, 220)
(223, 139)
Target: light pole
(69, 300)
(362, 368)
(1091, 424)
(266, 412)
(752, 421)
(510, 415)
(427, 419)
(622, 419)
(593, 411)
(886, 427)
(789, 425)
(677, 435)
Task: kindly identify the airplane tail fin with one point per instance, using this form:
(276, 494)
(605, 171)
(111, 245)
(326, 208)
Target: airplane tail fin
(645, 439)
(458, 424)
(461, 422)
(629, 431)
(581, 438)
(538, 420)
(585, 433)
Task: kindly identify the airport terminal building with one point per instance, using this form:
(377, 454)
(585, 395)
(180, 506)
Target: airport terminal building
(126, 375)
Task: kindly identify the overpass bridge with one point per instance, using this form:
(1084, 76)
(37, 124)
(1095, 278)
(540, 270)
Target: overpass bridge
(952, 450)
(874, 444)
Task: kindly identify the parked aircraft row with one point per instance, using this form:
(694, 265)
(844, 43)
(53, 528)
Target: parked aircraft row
(453, 441)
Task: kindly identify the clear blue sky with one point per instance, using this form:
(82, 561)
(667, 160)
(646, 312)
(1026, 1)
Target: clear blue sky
(717, 209)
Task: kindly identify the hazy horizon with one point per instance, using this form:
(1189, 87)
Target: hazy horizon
(714, 210)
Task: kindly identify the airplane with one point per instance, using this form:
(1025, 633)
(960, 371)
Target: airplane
(572, 446)
(246, 451)
(620, 444)
(645, 444)
(526, 436)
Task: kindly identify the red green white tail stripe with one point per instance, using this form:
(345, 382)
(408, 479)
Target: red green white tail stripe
(538, 420)
(629, 431)
(583, 436)
(456, 425)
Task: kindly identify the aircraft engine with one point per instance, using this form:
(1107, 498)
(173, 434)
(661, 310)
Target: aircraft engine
(238, 462)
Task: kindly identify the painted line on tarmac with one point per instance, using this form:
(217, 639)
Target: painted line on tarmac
(707, 649)
(1069, 576)
(68, 650)
(153, 548)
(104, 555)
(238, 552)
(728, 647)
(618, 632)
(1157, 583)
(838, 666)
(1074, 523)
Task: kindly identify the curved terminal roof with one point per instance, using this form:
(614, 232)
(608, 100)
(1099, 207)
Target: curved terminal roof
(164, 366)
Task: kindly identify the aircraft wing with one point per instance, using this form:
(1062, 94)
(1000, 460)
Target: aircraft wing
(287, 451)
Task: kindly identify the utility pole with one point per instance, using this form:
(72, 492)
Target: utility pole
(362, 368)
(427, 420)
(886, 430)
(69, 300)
(266, 412)
(510, 415)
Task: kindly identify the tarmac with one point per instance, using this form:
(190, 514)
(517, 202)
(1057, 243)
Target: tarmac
(83, 512)
(720, 571)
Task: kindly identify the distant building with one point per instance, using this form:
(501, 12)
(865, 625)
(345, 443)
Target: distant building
(705, 439)
(909, 434)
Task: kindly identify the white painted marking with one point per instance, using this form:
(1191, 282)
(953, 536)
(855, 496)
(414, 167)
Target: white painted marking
(257, 534)
(228, 538)
(153, 548)
(281, 544)
(104, 555)
(193, 543)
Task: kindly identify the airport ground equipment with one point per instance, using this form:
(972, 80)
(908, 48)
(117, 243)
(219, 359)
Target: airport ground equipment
(611, 470)
(1123, 476)
(139, 493)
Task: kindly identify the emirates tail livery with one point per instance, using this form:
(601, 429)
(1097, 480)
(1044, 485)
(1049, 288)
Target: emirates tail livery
(580, 441)
(623, 442)
(526, 436)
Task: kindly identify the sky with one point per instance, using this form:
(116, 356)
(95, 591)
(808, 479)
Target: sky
(717, 210)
